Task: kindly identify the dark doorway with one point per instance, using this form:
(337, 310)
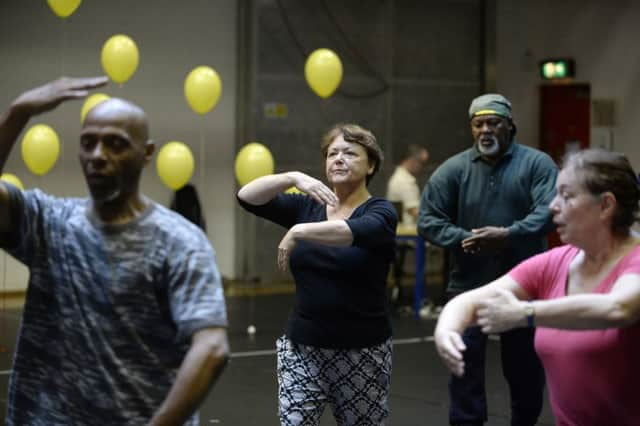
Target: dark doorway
(564, 123)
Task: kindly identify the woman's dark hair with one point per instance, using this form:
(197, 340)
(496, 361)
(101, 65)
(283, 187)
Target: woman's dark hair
(186, 202)
(353, 133)
(604, 171)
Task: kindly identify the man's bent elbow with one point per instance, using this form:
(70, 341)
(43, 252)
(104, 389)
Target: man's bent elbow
(218, 349)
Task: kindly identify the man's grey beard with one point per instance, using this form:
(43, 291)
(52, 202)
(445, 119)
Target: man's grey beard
(489, 151)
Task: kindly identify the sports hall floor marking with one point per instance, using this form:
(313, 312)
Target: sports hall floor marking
(270, 352)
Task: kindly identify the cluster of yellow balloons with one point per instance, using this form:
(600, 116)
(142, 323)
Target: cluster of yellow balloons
(120, 58)
(323, 72)
(175, 164)
(202, 89)
(119, 54)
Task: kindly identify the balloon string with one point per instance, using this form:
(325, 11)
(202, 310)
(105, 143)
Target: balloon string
(324, 106)
(64, 49)
(62, 156)
(63, 45)
(202, 154)
(3, 310)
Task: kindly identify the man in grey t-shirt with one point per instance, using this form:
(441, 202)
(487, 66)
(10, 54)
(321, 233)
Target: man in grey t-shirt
(125, 320)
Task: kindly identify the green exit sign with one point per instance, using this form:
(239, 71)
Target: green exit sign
(553, 69)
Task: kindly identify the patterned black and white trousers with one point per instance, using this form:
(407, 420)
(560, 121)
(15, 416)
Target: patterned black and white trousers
(354, 382)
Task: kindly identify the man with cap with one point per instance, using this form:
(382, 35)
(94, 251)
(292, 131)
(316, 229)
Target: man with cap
(488, 205)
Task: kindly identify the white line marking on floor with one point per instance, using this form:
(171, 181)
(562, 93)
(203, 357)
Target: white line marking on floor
(248, 354)
(269, 352)
(413, 340)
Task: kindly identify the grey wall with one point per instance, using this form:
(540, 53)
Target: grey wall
(429, 54)
(601, 36)
(173, 37)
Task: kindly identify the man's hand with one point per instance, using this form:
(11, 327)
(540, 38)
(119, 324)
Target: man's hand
(50, 95)
(200, 368)
(450, 347)
(501, 312)
(28, 104)
(486, 239)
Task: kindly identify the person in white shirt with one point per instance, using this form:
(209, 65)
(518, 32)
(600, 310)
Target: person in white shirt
(402, 186)
(403, 189)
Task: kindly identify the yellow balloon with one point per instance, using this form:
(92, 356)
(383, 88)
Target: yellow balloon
(40, 148)
(175, 164)
(64, 8)
(253, 160)
(120, 58)
(12, 179)
(293, 190)
(91, 101)
(202, 88)
(323, 71)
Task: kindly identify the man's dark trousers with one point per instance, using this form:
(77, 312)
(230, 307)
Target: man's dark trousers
(520, 367)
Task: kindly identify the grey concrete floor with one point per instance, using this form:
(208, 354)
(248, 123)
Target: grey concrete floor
(246, 394)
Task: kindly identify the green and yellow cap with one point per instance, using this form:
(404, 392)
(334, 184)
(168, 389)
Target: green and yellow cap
(490, 104)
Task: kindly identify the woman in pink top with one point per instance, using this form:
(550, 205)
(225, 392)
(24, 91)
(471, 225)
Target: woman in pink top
(584, 297)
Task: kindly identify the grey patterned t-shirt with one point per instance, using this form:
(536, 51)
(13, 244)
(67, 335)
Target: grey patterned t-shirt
(109, 312)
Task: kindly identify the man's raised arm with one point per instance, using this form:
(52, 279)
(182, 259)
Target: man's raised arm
(27, 105)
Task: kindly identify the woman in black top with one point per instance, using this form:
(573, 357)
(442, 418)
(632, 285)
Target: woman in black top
(339, 245)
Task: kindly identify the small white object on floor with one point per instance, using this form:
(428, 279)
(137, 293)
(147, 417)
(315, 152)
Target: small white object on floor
(430, 311)
(251, 329)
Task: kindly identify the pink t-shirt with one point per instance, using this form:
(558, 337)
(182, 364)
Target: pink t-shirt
(593, 375)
